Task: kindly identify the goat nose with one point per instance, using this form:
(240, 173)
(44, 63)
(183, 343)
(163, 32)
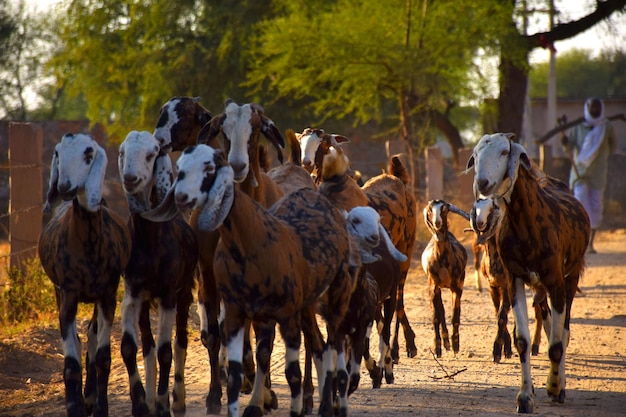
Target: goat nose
(181, 198)
(483, 185)
(130, 178)
(306, 162)
(64, 187)
(238, 166)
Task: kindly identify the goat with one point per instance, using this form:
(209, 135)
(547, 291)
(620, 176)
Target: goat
(444, 260)
(484, 217)
(161, 267)
(390, 196)
(240, 126)
(270, 264)
(183, 122)
(179, 122)
(83, 249)
(541, 238)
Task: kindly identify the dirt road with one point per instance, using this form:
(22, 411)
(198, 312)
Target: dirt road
(31, 363)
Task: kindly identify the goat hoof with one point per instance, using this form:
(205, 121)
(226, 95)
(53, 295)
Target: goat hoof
(273, 404)
(354, 383)
(411, 353)
(307, 405)
(389, 379)
(213, 402)
(252, 411)
(141, 410)
(560, 398)
(525, 404)
(534, 350)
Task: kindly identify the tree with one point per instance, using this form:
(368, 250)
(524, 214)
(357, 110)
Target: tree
(514, 64)
(126, 58)
(580, 75)
(22, 51)
(403, 64)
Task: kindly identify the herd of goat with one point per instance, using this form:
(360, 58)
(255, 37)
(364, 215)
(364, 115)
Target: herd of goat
(277, 247)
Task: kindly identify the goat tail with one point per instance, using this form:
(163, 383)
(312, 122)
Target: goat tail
(397, 169)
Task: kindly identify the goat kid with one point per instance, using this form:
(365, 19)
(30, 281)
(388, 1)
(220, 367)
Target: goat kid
(305, 252)
(83, 249)
(444, 260)
(541, 238)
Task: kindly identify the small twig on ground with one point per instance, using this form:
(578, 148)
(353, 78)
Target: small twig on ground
(448, 375)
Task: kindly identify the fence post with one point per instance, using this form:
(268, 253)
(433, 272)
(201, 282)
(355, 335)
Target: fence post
(466, 193)
(25, 205)
(434, 173)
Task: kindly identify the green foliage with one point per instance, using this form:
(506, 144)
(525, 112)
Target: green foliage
(579, 74)
(126, 58)
(354, 57)
(30, 294)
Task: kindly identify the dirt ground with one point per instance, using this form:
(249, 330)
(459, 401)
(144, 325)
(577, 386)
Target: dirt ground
(31, 362)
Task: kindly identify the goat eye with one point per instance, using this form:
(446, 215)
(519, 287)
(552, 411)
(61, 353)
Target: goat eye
(149, 157)
(88, 158)
(505, 152)
(356, 221)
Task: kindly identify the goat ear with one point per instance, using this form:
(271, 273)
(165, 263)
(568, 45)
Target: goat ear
(510, 136)
(271, 132)
(294, 144)
(53, 193)
(395, 253)
(165, 211)
(163, 175)
(219, 201)
(337, 139)
(518, 154)
(210, 130)
(95, 180)
(469, 165)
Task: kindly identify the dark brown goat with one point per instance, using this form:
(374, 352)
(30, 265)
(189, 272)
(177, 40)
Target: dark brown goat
(83, 248)
(541, 239)
(161, 269)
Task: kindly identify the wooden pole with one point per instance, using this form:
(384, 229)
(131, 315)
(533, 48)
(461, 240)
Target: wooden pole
(25, 201)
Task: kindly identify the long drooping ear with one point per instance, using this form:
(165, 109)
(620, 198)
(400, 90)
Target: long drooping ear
(219, 201)
(53, 193)
(518, 154)
(271, 132)
(163, 175)
(211, 129)
(165, 211)
(395, 253)
(294, 144)
(204, 115)
(95, 180)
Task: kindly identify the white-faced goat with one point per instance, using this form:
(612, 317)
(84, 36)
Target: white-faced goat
(83, 248)
(444, 260)
(541, 239)
(183, 122)
(270, 265)
(390, 196)
(484, 218)
(161, 271)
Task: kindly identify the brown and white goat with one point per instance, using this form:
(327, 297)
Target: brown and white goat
(541, 239)
(444, 260)
(270, 265)
(183, 122)
(484, 218)
(83, 248)
(388, 193)
(161, 269)
(180, 120)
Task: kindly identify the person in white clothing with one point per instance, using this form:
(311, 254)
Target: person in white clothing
(591, 142)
